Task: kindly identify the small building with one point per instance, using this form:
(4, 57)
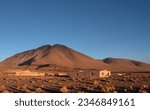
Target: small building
(28, 73)
(104, 73)
(90, 73)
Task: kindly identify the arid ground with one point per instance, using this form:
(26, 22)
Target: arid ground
(125, 83)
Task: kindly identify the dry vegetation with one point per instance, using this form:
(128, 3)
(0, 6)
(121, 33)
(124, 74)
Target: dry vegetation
(129, 83)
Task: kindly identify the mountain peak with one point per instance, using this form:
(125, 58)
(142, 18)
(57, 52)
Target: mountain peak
(54, 54)
(50, 46)
(59, 45)
(44, 46)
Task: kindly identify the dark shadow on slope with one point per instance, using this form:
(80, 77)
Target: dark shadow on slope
(28, 62)
(42, 66)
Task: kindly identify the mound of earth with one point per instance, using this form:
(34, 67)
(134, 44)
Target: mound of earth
(57, 55)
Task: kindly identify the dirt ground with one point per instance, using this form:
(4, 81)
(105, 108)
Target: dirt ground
(128, 83)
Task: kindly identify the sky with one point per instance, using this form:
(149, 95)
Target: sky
(97, 28)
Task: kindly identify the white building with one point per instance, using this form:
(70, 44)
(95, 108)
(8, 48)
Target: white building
(104, 73)
(28, 73)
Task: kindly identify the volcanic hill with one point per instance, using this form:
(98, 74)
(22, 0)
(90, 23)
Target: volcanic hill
(120, 64)
(60, 55)
(57, 55)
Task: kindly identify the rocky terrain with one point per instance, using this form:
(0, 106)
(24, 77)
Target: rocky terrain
(127, 75)
(130, 83)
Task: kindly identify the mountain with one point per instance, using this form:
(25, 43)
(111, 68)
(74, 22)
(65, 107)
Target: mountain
(57, 55)
(120, 64)
(62, 56)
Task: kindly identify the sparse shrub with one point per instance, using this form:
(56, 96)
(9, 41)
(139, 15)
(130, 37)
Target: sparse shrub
(144, 88)
(109, 81)
(24, 86)
(38, 90)
(74, 87)
(131, 87)
(87, 78)
(15, 79)
(73, 79)
(42, 86)
(125, 90)
(96, 83)
(123, 79)
(113, 88)
(2, 88)
(80, 80)
(6, 81)
(18, 87)
(64, 89)
(106, 88)
(142, 91)
(132, 80)
(32, 82)
(81, 92)
(5, 91)
(27, 91)
(115, 92)
(88, 88)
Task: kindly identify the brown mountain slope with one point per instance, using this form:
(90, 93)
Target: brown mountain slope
(119, 64)
(58, 55)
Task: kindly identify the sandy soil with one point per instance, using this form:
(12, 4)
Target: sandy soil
(128, 83)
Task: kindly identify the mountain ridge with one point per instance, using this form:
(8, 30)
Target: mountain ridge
(62, 55)
(56, 54)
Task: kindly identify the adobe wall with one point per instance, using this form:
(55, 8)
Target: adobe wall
(29, 74)
(91, 74)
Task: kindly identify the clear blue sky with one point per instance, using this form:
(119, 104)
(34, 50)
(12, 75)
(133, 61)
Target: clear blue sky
(98, 28)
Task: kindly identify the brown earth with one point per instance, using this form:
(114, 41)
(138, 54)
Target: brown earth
(119, 64)
(129, 83)
(62, 58)
(57, 55)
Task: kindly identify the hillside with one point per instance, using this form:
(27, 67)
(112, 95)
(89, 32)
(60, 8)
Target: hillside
(61, 56)
(120, 64)
(57, 55)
